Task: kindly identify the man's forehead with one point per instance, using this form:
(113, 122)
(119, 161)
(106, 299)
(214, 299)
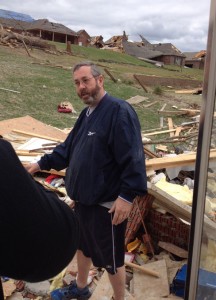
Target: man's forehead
(82, 71)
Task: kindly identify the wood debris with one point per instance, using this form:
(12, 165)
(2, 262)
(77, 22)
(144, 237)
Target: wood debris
(153, 257)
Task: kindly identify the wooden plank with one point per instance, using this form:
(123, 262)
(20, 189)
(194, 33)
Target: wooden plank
(140, 82)
(178, 130)
(146, 286)
(32, 134)
(159, 132)
(149, 152)
(27, 153)
(185, 91)
(110, 75)
(170, 126)
(173, 249)
(162, 108)
(178, 160)
(173, 112)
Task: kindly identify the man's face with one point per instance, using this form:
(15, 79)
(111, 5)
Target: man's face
(88, 87)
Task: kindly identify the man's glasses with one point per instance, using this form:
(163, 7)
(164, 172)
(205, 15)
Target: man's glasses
(83, 81)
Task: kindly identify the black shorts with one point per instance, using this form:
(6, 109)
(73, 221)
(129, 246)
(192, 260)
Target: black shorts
(99, 239)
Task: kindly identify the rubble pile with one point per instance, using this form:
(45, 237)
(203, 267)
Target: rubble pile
(158, 228)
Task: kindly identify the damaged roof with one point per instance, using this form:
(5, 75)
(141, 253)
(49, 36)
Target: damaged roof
(195, 55)
(167, 49)
(139, 50)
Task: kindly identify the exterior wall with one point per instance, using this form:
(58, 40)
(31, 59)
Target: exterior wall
(83, 39)
(196, 64)
(171, 60)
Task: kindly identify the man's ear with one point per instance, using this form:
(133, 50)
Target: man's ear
(101, 80)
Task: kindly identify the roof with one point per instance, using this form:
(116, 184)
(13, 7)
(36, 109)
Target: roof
(195, 55)
(83, 31)
(46, 25)
(117, 39)
(167, 49)
(140, 51)
(190, 55)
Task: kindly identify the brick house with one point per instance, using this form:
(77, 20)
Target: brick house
(83, 38)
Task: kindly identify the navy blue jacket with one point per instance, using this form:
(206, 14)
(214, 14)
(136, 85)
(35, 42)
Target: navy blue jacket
(103, 155)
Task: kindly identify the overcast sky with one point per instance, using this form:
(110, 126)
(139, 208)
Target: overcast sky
(184, 23)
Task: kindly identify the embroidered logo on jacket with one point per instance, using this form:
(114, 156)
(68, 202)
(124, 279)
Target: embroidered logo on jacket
(91, 133)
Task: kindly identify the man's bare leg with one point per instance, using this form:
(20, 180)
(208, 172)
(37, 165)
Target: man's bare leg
(118, 283)
(84, 263)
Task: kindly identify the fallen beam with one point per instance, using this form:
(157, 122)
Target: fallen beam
(178, 160)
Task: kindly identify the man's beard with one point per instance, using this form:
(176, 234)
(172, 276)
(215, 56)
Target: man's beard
(92, 98)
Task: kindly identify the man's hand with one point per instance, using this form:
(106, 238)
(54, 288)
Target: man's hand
(32, 168)
(121, 210)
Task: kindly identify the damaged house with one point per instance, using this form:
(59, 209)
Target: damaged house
(195, 59)
(97, 41)
(165, 53)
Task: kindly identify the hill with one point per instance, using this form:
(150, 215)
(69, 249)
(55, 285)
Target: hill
(34, 85)
(15, 15)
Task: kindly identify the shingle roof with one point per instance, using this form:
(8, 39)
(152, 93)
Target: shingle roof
(82, 31)
(190, 55)
(167, 49)
(139, 50)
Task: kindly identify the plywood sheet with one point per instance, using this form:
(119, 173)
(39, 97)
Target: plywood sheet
(147, 287)
(30, 124)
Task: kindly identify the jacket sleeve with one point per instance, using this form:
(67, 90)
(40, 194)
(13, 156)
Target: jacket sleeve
(59, 158)
(129, 153)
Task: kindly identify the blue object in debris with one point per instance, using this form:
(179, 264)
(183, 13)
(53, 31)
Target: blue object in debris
(206, 288)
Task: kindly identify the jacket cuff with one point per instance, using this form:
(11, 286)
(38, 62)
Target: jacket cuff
(127, 197)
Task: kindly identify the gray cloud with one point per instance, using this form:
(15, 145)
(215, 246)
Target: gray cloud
(184, 23)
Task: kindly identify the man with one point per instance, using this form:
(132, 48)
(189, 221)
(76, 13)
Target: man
(105, 165)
